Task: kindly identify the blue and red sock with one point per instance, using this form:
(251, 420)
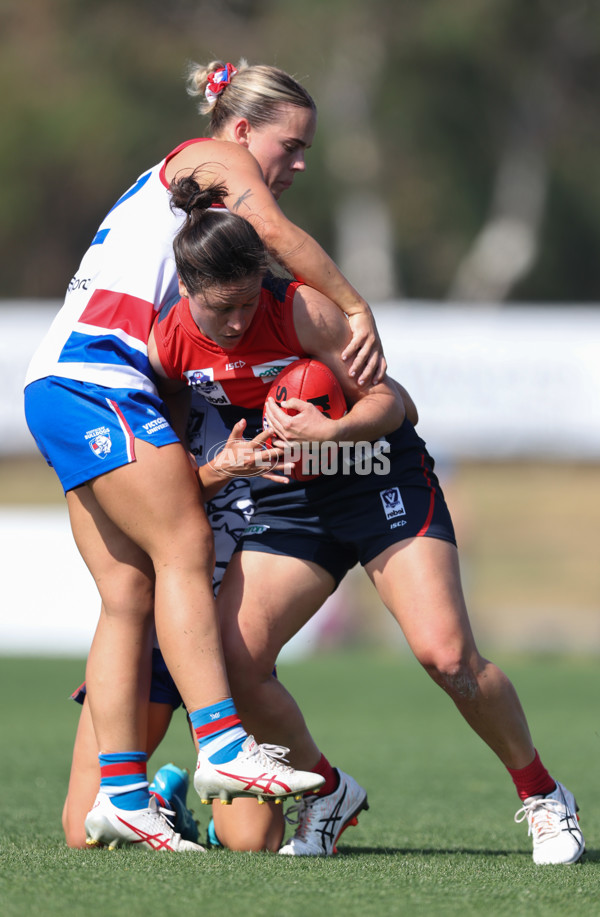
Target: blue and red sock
(219, 731)
(123, 778)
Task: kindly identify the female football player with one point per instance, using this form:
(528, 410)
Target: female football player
(136, 512)
(232, 322)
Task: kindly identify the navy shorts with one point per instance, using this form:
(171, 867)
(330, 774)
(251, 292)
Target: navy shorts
(162, 686)
(84, 430)
(351, 518)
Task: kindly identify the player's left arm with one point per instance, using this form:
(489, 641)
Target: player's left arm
(323, 332)
(239, 457)
(174, 392)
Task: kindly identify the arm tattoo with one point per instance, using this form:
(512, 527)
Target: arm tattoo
(242, 199)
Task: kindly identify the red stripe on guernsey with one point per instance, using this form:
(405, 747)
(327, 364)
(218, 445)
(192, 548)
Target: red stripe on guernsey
(178, 149)
(130, 438)
(174, 152)
(427, 522)
(124, 769)
(218, 726)
(119, 312)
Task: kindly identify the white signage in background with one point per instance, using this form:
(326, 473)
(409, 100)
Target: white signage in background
(22, 326)
(489, 382)
(50, 604)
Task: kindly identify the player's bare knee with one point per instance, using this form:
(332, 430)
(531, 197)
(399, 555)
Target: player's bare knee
(75, 840)
(74, 833)
(245, 840)
(128, 593)
(456, 678)
(127, 607)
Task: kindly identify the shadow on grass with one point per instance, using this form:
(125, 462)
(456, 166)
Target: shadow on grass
(591, 856)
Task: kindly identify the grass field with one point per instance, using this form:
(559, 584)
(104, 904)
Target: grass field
(439, 838)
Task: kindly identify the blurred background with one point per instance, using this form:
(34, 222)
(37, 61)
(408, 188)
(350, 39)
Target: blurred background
(455, 180)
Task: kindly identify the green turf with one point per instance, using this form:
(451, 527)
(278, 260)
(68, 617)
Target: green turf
(438, 839)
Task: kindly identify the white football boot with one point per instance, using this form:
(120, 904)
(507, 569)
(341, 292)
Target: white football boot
(257, 770)
(554, 827)
(322, 819)
(105, 824)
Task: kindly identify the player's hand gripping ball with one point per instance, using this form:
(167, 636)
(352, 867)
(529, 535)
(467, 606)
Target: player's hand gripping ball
(312, 381)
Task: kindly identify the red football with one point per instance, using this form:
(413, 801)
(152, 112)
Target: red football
(309, 380)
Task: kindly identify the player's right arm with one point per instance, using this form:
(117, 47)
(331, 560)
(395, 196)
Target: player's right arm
(248, 195)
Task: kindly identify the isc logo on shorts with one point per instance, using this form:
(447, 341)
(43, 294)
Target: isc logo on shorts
(392, 502)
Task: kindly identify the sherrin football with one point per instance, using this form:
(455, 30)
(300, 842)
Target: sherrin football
(312, 381)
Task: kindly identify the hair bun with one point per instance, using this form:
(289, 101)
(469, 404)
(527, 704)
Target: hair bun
(188, 195)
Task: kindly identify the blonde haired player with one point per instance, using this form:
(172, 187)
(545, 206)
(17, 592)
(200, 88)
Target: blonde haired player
(135, 509)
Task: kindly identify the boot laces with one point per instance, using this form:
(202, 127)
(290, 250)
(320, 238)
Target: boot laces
(166, 815)
(273, 756)
(299, 816)
(543, 816)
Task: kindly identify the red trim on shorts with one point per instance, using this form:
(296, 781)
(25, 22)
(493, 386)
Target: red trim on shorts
(218, 726)
(427, 522)
(125, 428)
(77, 691)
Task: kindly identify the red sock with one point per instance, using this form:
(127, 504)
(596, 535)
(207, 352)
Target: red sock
(533, 780)
(332, 779)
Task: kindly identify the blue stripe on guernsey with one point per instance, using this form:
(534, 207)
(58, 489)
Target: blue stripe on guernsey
(123, 778)
(108, 350)
(133, 190)
(100, 237)
(221, 745)
(126, 275)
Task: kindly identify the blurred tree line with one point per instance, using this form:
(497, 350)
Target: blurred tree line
(455, 156)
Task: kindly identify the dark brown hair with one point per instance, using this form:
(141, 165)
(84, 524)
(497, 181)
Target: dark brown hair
(214, 246)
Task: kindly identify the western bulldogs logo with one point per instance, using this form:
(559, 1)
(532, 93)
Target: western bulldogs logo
(392, 503)
(101, 445)
(99, 441)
